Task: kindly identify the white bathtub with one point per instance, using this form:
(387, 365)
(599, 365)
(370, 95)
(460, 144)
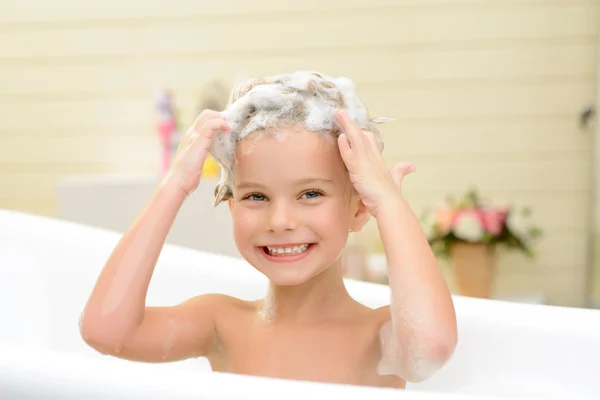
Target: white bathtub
(48, 267)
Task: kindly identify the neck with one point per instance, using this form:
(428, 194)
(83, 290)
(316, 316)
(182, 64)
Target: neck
(312, 301)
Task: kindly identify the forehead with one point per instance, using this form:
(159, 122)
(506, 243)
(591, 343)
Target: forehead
(287, 154)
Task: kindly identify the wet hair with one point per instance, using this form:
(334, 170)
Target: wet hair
(304, 98)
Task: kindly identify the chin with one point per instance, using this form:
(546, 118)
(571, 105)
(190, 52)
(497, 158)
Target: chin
(286, 279)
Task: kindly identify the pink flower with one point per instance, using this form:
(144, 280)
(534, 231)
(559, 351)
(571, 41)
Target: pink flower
(493, 220)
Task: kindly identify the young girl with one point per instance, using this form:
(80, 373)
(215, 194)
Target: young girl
(301, 168)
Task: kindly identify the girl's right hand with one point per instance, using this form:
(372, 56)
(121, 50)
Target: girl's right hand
(186, 168)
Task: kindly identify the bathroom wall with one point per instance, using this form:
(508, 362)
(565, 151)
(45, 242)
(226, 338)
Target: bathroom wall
(594, 286)
(485, 93)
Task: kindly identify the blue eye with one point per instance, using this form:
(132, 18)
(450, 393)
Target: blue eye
(255, 197)
(312, 194)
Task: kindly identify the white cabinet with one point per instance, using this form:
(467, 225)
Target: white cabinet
(113, 202)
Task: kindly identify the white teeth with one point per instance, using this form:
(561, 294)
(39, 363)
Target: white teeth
(287, 250)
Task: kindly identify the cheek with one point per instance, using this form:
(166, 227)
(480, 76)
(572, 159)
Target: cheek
(332, 219)
(332, 225)
(245, 222)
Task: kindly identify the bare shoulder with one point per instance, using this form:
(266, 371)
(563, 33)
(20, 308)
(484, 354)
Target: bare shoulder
(232, 318)
(374, 317)
(219, 306)
(381, 321)
(213, 300)
(382, 318)
(378, 317)
(376, 320)
(209, 315)
(382, 313)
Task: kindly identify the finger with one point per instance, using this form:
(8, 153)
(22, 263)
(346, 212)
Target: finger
(204, 116)
(352, 131)
(366, 142)
(206, 130)
(400, 170)
(377, 142)
(344, 146)
(213, 125)
(373, 143)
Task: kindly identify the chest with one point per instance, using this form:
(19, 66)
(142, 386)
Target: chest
(343, 354)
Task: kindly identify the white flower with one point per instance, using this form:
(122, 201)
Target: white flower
(428, 225)
(518, 226)
(468, 227)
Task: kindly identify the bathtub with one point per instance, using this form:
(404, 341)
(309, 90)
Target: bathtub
(48, 267)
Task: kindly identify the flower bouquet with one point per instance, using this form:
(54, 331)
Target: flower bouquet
(468, 231)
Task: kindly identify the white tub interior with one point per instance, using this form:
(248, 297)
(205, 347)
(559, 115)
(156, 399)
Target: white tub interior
(48, 267)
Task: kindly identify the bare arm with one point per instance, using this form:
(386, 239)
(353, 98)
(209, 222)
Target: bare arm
(116, 320)
(423, 331)
(421, 336)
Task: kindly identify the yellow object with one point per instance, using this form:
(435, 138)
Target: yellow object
(211, 168)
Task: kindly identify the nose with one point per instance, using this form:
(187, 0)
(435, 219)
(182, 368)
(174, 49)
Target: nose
(281, 217)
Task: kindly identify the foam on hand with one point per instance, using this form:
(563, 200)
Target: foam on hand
(304, 98)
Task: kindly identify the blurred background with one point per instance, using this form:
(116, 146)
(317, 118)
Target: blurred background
(496, 95)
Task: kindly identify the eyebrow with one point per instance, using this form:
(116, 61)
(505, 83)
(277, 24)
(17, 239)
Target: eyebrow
(247, 185)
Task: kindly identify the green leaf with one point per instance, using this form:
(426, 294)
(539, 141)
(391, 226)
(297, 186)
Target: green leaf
(487, 237)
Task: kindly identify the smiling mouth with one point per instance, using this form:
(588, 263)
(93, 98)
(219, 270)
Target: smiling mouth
(287, 251)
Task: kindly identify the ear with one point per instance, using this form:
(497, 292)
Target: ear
(230, 204)
(360, 218)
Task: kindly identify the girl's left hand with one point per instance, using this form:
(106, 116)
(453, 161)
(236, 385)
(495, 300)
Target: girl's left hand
(366, 167)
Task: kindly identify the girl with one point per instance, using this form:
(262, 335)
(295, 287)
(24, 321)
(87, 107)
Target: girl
(301, 168)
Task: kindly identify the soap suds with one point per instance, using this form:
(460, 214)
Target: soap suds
(174, 328)
(268, 309)
(395, 361)
(301, 98)
(412, 363)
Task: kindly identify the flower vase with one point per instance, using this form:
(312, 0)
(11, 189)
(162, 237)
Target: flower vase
(473, 265)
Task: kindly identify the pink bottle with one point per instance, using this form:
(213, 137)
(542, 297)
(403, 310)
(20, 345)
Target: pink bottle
(166, 127)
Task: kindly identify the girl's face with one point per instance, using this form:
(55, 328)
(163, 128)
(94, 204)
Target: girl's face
(293, 204)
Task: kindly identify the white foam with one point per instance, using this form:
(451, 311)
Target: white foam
(411, 364)
(303, 98)
(410, 359)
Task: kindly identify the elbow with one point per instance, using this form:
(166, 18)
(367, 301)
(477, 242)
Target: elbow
(441, 351)
(93, 335)
(430, 358)
(99, 335)
(439, 348)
